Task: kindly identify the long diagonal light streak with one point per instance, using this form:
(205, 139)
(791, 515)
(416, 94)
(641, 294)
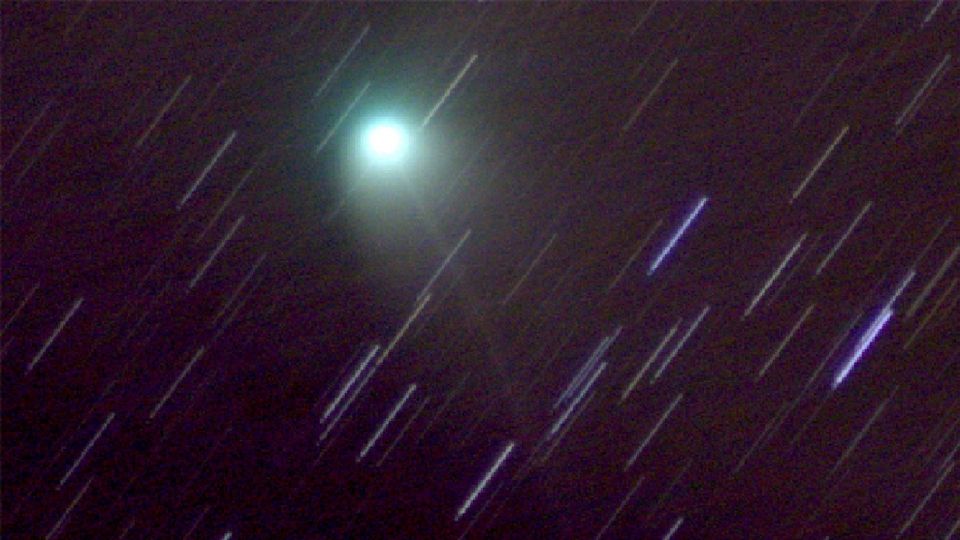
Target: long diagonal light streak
(676, 236)
(504, 454)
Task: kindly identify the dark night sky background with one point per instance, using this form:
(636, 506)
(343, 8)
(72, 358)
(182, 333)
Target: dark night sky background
(572, 131)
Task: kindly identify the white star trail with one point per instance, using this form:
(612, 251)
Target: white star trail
(773, 277)
(479, 486)
(206, 170)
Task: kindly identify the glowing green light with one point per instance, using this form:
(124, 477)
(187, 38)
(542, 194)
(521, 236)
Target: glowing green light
(385, 141)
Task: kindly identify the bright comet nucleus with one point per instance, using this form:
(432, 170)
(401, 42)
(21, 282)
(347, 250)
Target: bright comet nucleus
(385, 141)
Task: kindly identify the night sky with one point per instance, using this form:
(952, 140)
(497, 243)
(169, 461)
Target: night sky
(670, 270)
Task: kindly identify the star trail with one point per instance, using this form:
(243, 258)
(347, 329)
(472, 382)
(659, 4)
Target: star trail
(306, 270)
